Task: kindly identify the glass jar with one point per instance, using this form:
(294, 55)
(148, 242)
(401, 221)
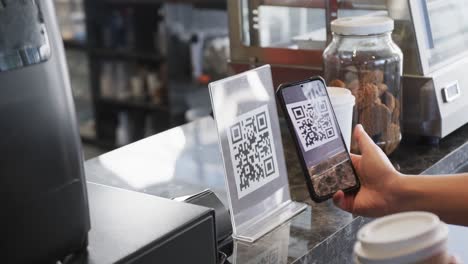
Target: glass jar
(363, 58)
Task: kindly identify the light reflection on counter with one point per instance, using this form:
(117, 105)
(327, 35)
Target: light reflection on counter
(180, 161)
(132, 168)
(273, 249)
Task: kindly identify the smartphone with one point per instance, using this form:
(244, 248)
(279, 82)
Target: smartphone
(322, 151)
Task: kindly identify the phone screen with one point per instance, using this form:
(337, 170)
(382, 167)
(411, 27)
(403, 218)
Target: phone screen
(318, 136)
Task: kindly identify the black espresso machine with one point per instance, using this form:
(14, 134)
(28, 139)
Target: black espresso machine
(43, 194)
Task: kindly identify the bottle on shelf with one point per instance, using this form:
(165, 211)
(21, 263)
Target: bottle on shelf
(137, 86)
(122, 133)
(154, 87)
(106, 80)
(122, 81)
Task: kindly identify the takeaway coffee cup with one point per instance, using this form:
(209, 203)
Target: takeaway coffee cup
(343, 103)
(404, 238)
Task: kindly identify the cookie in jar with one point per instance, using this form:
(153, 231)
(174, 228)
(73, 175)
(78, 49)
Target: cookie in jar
(363, 58)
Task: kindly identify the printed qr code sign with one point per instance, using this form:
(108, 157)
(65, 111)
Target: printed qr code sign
(252, 150)
(313, 122)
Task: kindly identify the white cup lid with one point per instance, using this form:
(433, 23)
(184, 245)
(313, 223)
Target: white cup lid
(362, 25)
(341, 96)
(406, 237)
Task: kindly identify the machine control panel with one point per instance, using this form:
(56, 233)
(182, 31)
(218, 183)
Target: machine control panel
(451, 92)
(27, 42)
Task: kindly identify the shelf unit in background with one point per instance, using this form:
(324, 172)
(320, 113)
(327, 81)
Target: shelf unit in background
(142, 53)
(145, 16)
(71, 44)
(215, 4)
(126, 55)
(133, 104)
(77, 51)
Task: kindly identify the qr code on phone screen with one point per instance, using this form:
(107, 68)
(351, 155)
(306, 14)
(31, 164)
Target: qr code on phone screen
(313, 121)
(252, 151)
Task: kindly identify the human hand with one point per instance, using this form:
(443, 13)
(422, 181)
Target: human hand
(379, 180)
(455, 260)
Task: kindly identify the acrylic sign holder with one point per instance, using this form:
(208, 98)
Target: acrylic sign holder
(244, 108)
(272, 248)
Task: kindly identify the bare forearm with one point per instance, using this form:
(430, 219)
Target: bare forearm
(444, 195)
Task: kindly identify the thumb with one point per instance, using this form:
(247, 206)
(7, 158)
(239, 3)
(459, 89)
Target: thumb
(455, 260)
(343, 201)
(365, 143)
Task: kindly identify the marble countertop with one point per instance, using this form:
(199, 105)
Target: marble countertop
(187, 159)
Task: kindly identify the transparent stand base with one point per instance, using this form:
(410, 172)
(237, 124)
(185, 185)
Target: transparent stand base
(262, 224)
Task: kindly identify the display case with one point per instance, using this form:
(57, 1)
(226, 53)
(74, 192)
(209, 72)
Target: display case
(442, 32)
(287, 34)
(433, 35)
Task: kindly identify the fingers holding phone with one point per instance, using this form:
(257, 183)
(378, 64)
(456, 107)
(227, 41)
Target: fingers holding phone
(378, 177)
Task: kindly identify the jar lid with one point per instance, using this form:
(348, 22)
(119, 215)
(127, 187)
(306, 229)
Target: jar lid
(362, 25)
